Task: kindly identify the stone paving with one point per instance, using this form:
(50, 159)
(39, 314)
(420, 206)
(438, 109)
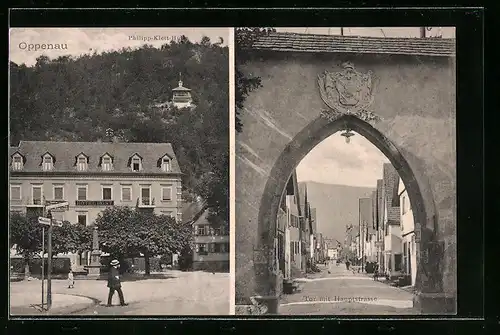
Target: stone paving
(337, 291)
(174, 293)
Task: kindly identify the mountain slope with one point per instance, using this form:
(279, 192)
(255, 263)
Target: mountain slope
(336, 206)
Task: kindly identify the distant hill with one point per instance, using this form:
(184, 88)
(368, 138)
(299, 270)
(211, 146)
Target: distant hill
(336, 206)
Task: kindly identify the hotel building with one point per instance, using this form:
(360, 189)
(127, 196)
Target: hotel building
(91, 176)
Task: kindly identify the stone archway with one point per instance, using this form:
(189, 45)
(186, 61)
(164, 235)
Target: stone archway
(414, 98)
(424, 211)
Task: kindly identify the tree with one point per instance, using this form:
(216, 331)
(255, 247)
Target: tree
(244, 40)
(124, 232)
(71, 238)
(26, 237)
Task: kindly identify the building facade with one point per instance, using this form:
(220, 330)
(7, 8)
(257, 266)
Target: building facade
(211, 251)
(391, 217)
(407, 233)
(92, 176)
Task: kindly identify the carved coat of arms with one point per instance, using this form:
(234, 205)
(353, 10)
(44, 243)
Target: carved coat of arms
(347, 92)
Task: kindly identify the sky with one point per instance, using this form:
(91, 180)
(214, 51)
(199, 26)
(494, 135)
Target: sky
(333, 161)
(87, 40)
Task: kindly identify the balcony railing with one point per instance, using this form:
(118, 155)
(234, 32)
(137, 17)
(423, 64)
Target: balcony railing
(35, 202)
(145, 202)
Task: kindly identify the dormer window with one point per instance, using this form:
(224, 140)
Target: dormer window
(165, 164)
(47, 162)
(82, 162)
(136, 163)
(17, 162)
(106, 163)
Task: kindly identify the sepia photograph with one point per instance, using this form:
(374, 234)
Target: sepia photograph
(345, 171)
(119, 171)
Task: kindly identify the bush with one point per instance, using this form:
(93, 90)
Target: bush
(60, 265)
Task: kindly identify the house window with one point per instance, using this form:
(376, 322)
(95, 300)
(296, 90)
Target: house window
(15, 192)
(136, 164)
(166, 193)
(37, 195)
(106, 163)
(58, 192)
(202, 248)
(82, 218)
(217, 231)
(146, 196)
(82, 163)
(126, 193)
(81, 192)
(17, 162)
(212, 247)
(165, 164)
(202, 230)
(47, 163)
(107, 193)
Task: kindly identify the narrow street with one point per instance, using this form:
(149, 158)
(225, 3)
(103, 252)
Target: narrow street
(337, 291)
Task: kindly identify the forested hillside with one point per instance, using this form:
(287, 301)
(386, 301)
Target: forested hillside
(77, 99)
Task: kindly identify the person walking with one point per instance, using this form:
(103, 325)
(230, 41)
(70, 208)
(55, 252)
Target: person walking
(114, 283)
(71, 279)
(347, 264)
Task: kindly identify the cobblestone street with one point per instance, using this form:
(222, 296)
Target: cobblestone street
(178, 293)
(343, 292)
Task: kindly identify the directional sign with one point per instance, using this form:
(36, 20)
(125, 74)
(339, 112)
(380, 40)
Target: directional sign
(46, 221)
(54, 206)
(43, 220)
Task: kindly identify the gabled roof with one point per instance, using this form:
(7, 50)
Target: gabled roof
(390, 185)
(159, 162)
(191, 211)
(14, 150)
(444, 47)
(65, 153)
(48, 153)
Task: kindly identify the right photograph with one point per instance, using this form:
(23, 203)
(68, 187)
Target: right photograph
(345, 171)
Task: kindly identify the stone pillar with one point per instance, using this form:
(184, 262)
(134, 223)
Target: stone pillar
(94, 269)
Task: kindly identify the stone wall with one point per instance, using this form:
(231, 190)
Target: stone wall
(415, 96)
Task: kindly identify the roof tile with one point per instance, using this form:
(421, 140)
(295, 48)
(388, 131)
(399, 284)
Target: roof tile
(65, 154)
(356, 44)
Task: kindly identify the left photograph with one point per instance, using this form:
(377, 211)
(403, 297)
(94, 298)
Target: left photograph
(119, 171)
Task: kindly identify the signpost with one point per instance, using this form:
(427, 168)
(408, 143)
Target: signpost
(50, 222)
(49, 264)
(43, 266)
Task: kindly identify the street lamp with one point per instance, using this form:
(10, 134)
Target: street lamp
(347, 134)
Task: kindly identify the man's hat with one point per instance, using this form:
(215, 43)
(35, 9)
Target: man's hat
(114, 262)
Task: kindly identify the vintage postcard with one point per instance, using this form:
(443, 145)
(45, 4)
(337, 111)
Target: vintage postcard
(119, 171)
(345, 171)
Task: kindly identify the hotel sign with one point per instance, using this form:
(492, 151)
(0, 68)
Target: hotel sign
(94, 202)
